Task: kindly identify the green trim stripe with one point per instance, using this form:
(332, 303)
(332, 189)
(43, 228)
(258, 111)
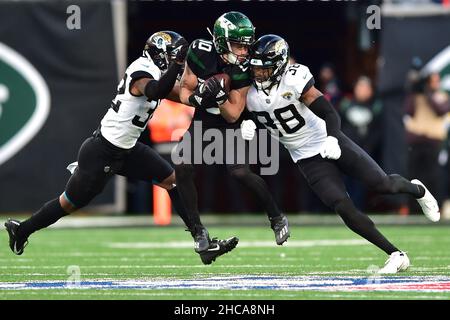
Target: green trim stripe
(195, 59)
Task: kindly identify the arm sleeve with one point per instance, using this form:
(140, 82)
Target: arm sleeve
(324, 110)
(155, 90)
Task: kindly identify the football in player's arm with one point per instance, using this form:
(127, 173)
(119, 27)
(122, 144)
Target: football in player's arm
(283, 98)
(211, 92)
(221, 106)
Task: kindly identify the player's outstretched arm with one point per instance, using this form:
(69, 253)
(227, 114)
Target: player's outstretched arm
(157, 89)
(174, 95)
(232, 108)
(315, 100)
(160, 89)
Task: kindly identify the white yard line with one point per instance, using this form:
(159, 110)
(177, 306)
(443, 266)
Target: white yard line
(242, 244)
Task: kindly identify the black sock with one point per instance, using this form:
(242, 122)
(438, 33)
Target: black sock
(188, 192)
(259, 188)
(420, 191)
(47, 215)
(395, 183)
(362, 225)
(180, 207)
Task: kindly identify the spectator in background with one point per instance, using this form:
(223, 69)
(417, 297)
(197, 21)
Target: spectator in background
(426, 107)
(361, 116)
(328, 84)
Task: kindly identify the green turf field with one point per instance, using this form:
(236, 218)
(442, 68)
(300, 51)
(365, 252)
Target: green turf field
(165, 255)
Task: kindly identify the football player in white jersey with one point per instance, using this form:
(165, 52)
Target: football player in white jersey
(114, 149)
(283, 98)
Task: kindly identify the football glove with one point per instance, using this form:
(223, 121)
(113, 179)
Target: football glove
(330, 148)
(213, 88)
(209, 94)
(179, 53)
(248, 129)
(200, 100)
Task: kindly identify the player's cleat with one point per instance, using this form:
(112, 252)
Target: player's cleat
(218, 248)
(201, 238)
(428, 203)
(16, 243)
(280, 227)
(398, 261)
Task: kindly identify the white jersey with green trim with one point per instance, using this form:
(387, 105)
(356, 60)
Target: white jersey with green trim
(288, 119)
(128, 116)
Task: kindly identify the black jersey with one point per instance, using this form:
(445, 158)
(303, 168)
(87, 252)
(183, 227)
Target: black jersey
(205, 62)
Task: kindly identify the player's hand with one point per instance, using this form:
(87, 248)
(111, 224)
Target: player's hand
(330, 148)
(214, 89)
(248, 129)
(200, 100)
(179, 53)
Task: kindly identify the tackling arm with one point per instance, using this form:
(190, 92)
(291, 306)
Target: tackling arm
(154, 89)
(174, 95)
(320, 106)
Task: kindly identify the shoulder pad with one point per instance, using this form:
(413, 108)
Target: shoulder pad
(144, 64)
(297, 75)
(200, 54)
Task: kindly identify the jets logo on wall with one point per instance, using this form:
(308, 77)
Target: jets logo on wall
(24, 102)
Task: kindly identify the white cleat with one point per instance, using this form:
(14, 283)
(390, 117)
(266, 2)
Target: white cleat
(428, 203)
(398, 261)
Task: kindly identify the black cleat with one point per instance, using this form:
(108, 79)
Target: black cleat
(16, 243)
(201, 238)
(280, 227)
(218, 248)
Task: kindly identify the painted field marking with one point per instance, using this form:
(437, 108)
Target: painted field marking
(253, 282)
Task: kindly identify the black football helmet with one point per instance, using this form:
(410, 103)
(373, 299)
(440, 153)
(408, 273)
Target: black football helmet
(162, 47)
(269, 56)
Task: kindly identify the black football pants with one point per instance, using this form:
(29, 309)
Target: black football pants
(325, 178)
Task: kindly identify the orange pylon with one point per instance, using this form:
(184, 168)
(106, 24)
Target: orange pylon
(162, 206)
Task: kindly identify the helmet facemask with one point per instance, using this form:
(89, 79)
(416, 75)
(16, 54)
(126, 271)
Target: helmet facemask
(233, 29)
(157, 52)
(162, 47)
(268, 64)
(262, 77)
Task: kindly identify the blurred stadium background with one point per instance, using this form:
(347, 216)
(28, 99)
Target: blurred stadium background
(57, 79)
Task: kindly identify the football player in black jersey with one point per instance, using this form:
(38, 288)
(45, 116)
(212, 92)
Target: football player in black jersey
(215, 108)
(114, 149)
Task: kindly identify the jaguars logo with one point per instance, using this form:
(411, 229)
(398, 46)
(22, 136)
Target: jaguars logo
(287, 95)
(280, 48)
(161, 40)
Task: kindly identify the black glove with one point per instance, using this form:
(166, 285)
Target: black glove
(178, 54)
(214, 90)
(199, 100)
(209, 94)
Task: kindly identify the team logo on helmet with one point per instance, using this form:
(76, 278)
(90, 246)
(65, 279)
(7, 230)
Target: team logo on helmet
(280, 48)
(161, 39)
